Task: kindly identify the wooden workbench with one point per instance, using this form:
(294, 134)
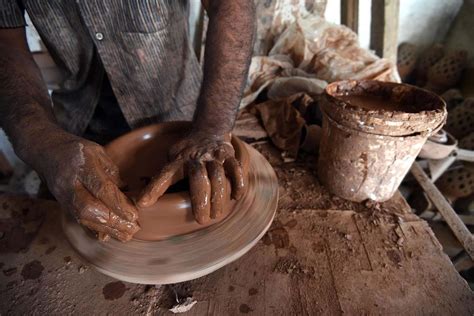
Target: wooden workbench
(322, 255)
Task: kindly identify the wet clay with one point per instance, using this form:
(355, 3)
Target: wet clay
(370, 102)
(203, 159)
(185, 257)
(142, 154)
(114, 290)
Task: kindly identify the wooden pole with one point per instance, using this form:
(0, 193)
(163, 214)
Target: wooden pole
(350, 14)
(384, 28)
(452, 219)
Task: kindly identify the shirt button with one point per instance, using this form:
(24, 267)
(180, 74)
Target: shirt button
(99, 36)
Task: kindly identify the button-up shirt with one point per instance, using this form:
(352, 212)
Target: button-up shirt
(142, 45)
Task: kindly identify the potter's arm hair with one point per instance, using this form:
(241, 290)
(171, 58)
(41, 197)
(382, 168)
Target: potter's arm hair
(25, 105)
(228, 51)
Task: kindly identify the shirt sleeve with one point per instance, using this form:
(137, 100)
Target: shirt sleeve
(11, 14)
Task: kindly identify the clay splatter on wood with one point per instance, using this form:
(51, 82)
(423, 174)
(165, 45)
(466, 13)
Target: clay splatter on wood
(245, 309)
(10, 271)
(114, 290)
(32, 270)
(50, 250)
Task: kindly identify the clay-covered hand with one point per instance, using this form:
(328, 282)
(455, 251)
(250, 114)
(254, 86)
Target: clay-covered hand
(85, 181)
(205, 160)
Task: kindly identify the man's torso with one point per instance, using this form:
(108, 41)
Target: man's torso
(142, 46)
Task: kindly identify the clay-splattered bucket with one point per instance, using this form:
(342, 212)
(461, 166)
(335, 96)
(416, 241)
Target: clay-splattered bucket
(366, 152)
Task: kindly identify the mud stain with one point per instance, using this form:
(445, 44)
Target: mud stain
(9, 272)
(293, 249)
(253, 291)
(15, 237)
(67, 260)
(114, 290)
(278, 234)
(32, 270)
(394, 256)
(278, 237)
(245, 309)
(50, 250)
(291, 224)
(18, 228)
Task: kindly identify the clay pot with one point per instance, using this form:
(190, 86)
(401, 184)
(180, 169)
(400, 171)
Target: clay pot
(429, 57)
(438, 146)
(452, 97)
(406, 60)
(140, 155)
(365, 152)
(447, 72)
(461, 119)
(456, 183)
(467, 142)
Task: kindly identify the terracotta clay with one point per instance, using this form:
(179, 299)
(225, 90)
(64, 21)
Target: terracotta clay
(447, 72)
(406, 60)
(189, 256)
(429, 57)
(371, 102)
(141, 154)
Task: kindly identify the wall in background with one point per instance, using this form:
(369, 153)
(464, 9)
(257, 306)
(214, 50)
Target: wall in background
(426, 22)
(333, 11)
(461, 34)
(421, 22)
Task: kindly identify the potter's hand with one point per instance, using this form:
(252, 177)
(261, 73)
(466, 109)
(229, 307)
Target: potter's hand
(85, 181)
(78, 172)
(206, 161)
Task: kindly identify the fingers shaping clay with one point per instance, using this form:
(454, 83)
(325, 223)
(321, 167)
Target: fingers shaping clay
(140, 155)
(191, 255)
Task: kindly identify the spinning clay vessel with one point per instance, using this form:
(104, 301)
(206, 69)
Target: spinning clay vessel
(171, 246)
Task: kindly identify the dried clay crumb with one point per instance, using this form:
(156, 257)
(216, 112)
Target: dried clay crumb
(184, 306)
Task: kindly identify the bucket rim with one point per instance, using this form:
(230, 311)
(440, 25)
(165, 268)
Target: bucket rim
(368, 134)
(379, 121)
(366, 85)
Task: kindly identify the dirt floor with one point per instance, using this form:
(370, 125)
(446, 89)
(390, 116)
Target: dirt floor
(322, 255)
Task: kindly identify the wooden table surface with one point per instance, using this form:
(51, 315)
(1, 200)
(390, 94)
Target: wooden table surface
(322, 255)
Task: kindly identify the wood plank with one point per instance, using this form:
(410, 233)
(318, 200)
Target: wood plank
(335, 262)
(322, 255)
(350, 14)
(384, 28)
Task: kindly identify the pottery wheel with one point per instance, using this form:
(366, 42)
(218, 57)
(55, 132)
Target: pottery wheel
(186, 257)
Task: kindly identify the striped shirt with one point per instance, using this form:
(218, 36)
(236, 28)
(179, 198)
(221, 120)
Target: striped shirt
(142, 46)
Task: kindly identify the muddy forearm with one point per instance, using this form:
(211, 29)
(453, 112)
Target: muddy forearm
(25, 106)
(228, 53)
